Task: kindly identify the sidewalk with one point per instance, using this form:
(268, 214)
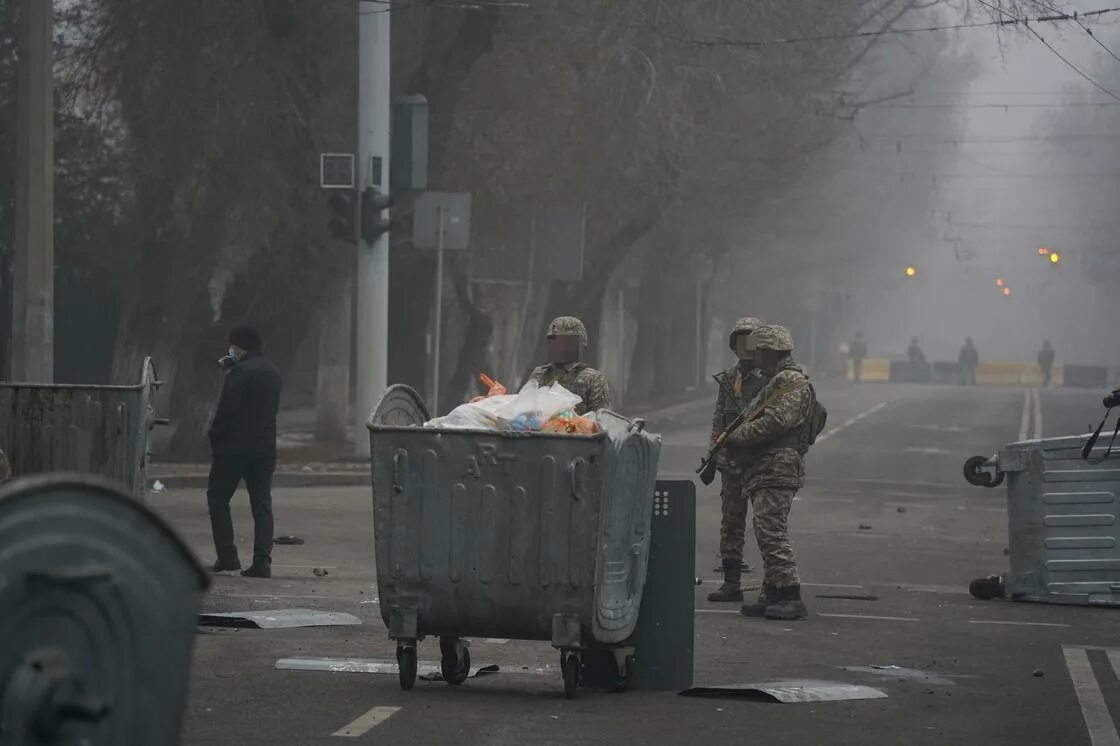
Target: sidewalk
(304, 462)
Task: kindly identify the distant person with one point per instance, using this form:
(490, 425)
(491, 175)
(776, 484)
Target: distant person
(969, 361)
(1046, 362)
(567, 336)
(243, 445)
(914, 354)
(857, 351)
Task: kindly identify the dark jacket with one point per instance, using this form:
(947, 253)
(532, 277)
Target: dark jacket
(245, 422)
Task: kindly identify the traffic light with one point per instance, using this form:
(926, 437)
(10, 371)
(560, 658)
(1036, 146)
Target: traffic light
(341, 224)
(910, 271)
(1055, 257)
(374, 222)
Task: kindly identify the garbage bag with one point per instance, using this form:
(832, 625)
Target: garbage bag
(523, 412)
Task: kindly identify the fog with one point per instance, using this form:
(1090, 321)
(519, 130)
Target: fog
(987, 149)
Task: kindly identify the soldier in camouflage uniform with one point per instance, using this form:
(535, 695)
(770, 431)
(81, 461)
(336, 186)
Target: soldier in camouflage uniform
(567, 336)
(738, 385)
(5, 468)
(777, 443)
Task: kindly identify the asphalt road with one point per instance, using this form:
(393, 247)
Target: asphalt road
(891, 461)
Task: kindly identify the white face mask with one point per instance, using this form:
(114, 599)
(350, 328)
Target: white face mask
(233, 353)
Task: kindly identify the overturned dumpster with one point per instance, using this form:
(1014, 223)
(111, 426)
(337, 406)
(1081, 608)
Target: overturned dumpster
(100, 600)
(99, 430)
(1063, 527)
(517, 535)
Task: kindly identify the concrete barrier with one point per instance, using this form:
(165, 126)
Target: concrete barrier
(1085, 376)
(873, 369)
(988, 374)
(946, 373)
(903, 371)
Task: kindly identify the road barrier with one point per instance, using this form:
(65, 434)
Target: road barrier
(987, 374)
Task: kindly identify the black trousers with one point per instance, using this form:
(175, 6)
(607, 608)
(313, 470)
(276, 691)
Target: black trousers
(226, 472)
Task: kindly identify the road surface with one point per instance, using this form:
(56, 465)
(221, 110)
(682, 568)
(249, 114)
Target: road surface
(968, 670)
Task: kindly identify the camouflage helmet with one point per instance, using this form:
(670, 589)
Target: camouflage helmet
(773, 337)
(742, 326)
(568, 325)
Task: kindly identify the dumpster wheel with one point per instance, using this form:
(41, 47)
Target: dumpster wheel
(974, 475)
(570, 665)
(406, 666)
(455, 660)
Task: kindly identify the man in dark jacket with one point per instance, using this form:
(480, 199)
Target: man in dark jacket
(243, 445)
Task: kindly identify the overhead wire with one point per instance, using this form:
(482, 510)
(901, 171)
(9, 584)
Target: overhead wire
(1026, 24)
(1077, 20)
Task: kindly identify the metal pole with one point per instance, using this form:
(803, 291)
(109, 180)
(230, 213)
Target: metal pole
(32, 357)
(372, 285)
(438, 310)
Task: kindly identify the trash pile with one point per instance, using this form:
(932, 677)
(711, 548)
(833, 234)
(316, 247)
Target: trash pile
(534, 409)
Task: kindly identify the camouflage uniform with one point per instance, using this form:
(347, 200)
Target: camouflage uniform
(5, 468)
(777, 470)
(579, 378)
(745, 381)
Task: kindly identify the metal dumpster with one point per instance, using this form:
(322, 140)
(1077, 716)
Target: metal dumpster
(100, 601)
(525, 536)
(101, 430)
(1063, 527)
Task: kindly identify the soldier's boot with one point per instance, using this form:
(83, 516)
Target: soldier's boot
(788, 606)
(758, 608)
(729, 592)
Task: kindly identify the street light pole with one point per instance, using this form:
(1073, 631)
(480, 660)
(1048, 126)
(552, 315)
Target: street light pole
(32, 357)
(372, 287)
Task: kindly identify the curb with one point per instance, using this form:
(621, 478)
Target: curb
(280, 480)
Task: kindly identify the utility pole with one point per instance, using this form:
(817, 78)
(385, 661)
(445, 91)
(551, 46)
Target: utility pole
(32, 358)
(372, 287)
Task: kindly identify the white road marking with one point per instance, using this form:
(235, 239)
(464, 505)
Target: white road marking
(495, 640)
(367, 722)
(1037, 414)
(869, 616)
(943, 506)
(1114, 658)
(1098, 720)
(894, 482)
(848, 423)
(1025, 420)
(1017, 624)
(717, 611)
(323, 596)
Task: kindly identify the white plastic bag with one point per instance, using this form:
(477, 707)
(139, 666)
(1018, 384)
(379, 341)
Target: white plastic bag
(491, 413)
(543, 403)
(525, 411)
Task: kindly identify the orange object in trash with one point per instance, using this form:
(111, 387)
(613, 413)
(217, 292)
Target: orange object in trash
(494, 388)
(570, 424)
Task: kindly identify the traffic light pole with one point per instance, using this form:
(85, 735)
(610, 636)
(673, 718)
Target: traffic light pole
(372, 287)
